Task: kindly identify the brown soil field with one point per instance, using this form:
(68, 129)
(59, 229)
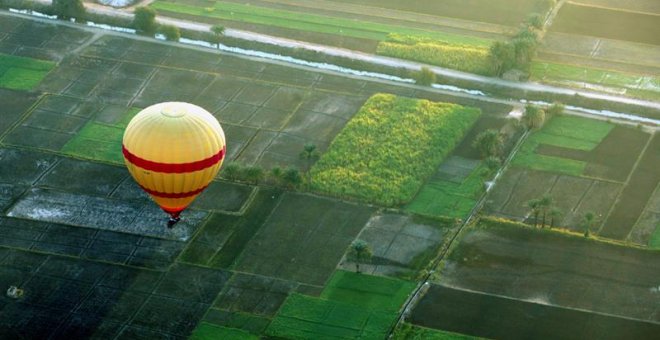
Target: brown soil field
(624, 56)
(608, 23)
(633, 199)
(503, 12)
(651, 6)
(496, 317)
(556, 269)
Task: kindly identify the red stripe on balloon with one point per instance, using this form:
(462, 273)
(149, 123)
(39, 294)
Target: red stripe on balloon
(173, 168)
(172, 194)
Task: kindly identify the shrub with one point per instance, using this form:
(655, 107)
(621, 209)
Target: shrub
(170, 32)
(66, 9)
(145, 20)
(424, 77)
(390, 147)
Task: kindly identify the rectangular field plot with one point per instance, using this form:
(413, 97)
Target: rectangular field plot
(369, 292)
(303, 239)
(100, 139)
(636, 193)
(488, 316)
(141, 218)
(20, 73)
(351, 306)
(498, 12)
(597, 21)
(390, 147)
(223, 237)
(452, 191)
(555, 269)
(402, 245)
(303, 317)
(572, 196)
(575, 135)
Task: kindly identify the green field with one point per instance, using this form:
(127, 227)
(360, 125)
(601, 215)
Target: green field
(303, 317)
(370, 292)
(207, 331)
(302, 21)
(655, 238)
(474, 58)
(440, 197)
(21, 73)
(351, 306)
(563, 131)
(99, 140)
(390, 147)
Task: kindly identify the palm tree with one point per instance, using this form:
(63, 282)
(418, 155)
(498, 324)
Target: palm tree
(535, 206)
(218, 32)
(544, 204)
(555, 215)
(254, 174)
(276, 175)
(309, 154)
(291, 177)
(588, 221)
(359, 252)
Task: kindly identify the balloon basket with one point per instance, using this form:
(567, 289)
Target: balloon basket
(172, 221)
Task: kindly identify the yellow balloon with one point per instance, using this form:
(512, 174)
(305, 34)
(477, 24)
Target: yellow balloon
(173, 150)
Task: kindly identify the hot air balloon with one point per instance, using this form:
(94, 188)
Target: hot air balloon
(173, 150)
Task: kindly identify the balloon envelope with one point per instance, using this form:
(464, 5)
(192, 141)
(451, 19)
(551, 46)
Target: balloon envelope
(173, 150)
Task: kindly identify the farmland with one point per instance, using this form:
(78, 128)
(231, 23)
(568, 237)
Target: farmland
(550, 277)
(20, 73)
(262, 259)
(639, 27)
(350, 306)
(385, 152)
(583, 166)
(453, 190)
(596, 55)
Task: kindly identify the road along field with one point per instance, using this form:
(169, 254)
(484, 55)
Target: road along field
(583, 166)
(512, 281)
(444, 34)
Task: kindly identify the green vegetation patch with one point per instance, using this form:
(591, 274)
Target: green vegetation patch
(468, 56)
(21, 73)
(303, 21)
(207, 331)
(440, 197)
(100, 141)
(390, 147)
(655, 238)
(303, 317)
(569, 132)
(371, 292)
(411, 332)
